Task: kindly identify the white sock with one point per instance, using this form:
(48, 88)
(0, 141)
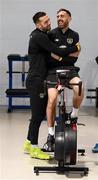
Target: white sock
(74, 112)
(34, 145)
(51, 131)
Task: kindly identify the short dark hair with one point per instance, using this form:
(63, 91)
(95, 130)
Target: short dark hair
(66, 10)
(37, 16)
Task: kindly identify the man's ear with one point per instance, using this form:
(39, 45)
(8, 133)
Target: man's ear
(70, 18)
(37, 25)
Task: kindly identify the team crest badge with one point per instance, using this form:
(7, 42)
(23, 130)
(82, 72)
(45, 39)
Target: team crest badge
(69, 40)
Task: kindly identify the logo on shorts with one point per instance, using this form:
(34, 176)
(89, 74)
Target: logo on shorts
(56, 40)
(41, 95)
(69, 40)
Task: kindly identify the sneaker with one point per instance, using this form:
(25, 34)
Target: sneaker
(73, 119)
(27, 146)
(95, 149)
(50, 144)
(36, 152)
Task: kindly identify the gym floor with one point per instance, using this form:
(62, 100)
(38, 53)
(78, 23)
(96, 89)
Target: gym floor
(15, 165)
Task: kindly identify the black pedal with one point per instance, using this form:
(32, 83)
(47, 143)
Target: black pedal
(74, 120)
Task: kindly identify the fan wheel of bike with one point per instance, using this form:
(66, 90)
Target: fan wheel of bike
(70, 145)
(66, 145)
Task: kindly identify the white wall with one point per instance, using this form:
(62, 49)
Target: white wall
(16, 25)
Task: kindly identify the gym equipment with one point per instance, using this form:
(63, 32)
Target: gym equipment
(12, 92)
(65, 152)
(93, 96)
(94, 90)
(96, 59)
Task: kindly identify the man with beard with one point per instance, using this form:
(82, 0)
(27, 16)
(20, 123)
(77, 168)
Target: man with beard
(40, 48)
(63, 36)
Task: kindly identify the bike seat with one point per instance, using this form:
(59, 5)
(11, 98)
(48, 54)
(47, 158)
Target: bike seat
(62, 74)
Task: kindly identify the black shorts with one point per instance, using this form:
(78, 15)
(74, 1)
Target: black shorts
(52, 76)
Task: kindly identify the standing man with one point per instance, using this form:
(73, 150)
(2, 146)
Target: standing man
(63, 36)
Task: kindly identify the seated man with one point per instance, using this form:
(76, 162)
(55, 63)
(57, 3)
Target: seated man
(63, 36)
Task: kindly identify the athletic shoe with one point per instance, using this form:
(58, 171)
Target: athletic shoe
(95, 149)
(49, 146)
(73, 119)
(36, 152)
(27, 146)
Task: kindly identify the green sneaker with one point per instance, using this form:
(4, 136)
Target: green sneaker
(36, 152)
(27, 146)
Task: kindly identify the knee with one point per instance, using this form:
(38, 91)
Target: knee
(76, 91)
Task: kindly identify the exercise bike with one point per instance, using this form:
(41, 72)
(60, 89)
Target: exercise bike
(65, 152)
